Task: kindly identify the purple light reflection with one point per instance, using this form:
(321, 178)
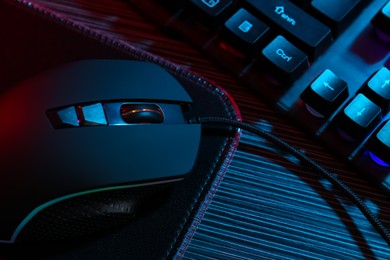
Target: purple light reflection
(378, 160)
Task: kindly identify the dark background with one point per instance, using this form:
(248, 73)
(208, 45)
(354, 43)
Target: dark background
(267, 205)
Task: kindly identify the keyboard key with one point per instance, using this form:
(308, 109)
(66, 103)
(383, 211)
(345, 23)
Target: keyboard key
(337, 14)
(382, 19)
(359, 117)
(212, 11)
(379, 144)
(306, 32)
(288, 61)
(245, 32)
(377, 88)
(301, 3)
(325, 94)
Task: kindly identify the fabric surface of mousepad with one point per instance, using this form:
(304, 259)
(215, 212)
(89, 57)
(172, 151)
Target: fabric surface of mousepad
(34, 39)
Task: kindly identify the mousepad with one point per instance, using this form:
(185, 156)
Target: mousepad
(35, 38)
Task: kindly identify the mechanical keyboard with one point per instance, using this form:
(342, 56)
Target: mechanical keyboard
(323, 63)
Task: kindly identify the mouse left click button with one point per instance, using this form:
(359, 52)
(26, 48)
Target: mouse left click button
(64, 118)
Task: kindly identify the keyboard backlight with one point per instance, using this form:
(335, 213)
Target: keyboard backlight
(378, 160)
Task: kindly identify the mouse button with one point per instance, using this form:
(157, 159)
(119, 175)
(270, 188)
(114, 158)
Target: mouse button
(157, 113)
(151, 81)
(141, 113)
(91, 115)
(64, 117)
(136, 154)
(166, 151)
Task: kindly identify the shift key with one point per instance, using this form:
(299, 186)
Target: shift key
(305, 31)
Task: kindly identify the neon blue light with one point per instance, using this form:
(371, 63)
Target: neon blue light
(378, 160)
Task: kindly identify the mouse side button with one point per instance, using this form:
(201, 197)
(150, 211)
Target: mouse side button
(92, 115)
(65, 117)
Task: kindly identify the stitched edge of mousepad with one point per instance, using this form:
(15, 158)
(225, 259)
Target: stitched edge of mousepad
(34, 39)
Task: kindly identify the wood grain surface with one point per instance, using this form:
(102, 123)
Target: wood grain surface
(268, 206)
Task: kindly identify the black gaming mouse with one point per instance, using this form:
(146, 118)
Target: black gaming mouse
(81, 142)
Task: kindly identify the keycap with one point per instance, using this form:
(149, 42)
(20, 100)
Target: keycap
(245, 32)
(337, 14)
(377, 88)
(382, 19)
(379, 144)
(287, 61)
(301, 3)
(212, 12)
(306, 32)
(359, 117)
(325, 94)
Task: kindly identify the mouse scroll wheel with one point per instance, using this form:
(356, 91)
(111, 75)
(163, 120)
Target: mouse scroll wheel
(141, 113)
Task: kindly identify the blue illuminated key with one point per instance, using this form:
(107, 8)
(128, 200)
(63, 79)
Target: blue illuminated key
(359, 117)
(309, 34)
(326, 93)
(287, 62)
(379, 145)
(337, 14)
(377, 88)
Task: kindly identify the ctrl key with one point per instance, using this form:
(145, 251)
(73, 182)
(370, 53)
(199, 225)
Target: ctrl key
(379, 145)
(287, 61)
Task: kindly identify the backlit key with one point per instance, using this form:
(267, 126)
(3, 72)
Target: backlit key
(377, 89)
(359, 117)
(245, 32)
(337, 14)
(306, 32)
(287, 61)
(325, 94)
(379, 144)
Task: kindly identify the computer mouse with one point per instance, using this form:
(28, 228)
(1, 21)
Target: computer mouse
(80, 143)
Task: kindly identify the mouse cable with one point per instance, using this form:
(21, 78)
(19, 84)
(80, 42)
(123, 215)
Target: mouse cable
(375, 222)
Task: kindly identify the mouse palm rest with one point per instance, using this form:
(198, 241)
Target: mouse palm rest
(64, 133)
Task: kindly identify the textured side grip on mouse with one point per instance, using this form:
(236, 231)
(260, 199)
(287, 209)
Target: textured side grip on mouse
(86, 215)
